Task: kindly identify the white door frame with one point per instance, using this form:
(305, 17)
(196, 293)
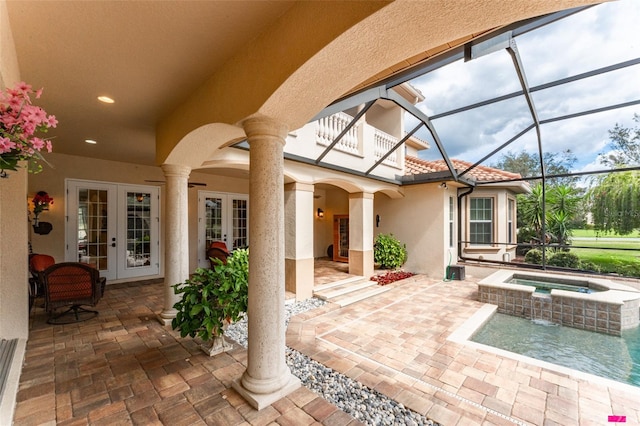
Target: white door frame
(110, 256)
(227, 221)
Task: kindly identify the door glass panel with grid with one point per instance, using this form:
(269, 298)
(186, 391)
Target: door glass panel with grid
(222, 217)
(113, 227)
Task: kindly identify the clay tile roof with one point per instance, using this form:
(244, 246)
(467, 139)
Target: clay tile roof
(414, 166)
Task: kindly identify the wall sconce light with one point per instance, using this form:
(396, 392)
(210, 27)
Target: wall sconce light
(320, 213)
(377, 221)
(443, 185)
(140, 197)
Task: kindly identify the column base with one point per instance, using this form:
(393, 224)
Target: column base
(165, 318)
(361, 262)
(262, 400)
(299, 277)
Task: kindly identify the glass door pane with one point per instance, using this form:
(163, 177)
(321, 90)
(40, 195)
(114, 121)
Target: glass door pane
(221, 217)
(240, 223)
(341, 238)
(138, 251)
(91, 226)
(93, 217)
(213, 220)
(138, 231)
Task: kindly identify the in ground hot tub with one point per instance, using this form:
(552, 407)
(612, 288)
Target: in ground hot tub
(582, 302)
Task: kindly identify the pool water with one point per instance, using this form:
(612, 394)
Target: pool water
(547, 286)
(612, 357)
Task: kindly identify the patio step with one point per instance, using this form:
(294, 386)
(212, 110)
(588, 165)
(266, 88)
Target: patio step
(323, 287)
(360, 295)
(348, 291)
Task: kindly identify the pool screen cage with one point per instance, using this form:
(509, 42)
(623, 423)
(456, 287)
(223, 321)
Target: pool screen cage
(532, 122)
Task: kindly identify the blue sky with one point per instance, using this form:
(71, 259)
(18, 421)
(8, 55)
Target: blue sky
(602, 35)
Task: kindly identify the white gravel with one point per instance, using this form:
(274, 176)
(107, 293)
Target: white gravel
(365, 404)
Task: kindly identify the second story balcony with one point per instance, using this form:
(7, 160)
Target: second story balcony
(359, 148)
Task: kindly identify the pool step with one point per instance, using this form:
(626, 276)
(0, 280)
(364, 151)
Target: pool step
(348, 291)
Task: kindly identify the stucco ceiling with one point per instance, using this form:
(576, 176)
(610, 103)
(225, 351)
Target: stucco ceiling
(151, 56)
(147, 56)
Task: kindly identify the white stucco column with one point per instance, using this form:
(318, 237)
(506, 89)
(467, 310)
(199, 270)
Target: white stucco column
(267, 377)
(176, 236)
(299, 214)
(361, 234)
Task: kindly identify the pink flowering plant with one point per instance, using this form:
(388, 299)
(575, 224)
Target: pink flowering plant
(20, 121)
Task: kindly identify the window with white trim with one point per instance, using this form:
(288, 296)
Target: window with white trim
(481, 221)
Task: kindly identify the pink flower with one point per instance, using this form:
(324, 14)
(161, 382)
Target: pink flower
(51, 121)
(23, 87)
(6, 145)
(19, 121)
(37, 143)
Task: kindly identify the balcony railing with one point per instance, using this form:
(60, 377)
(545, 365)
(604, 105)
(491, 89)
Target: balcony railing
(330, 127)
(363, 140)
(383, 144)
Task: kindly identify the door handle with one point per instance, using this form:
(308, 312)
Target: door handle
(113, 242)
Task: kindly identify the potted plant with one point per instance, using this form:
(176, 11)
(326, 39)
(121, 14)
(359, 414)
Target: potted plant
(212, 299)
(20, 121)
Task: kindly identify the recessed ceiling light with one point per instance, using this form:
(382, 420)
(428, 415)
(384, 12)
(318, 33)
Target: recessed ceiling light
(105, 99)
(91, 141)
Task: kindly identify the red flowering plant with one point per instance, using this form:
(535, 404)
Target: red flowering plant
(41, 201)
(20, 120)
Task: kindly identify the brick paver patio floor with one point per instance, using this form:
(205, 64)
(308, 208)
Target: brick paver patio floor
(123, 367)
(397, 344)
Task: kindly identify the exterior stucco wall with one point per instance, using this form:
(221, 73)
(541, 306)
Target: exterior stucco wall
(419, 220)
(13, 224)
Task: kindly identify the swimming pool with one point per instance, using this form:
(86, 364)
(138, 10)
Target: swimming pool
(602, 305)
(611, 357)
(545, 286)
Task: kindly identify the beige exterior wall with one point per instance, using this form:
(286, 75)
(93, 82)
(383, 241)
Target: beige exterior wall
(420, 220)
(13, 226)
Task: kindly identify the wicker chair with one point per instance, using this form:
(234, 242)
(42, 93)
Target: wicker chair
(71, 285)
(216, 253)
(37, 264)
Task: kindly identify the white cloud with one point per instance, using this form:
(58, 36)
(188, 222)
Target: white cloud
(600, 36)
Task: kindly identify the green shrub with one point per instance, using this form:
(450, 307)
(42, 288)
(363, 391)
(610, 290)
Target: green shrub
(586, 265)
(389, 252)
(211, 297)
(564, 259)
(534, 256)
(525, 235)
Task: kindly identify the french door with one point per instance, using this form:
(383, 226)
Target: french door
(341, 238)
(222, 217)
(114, 227)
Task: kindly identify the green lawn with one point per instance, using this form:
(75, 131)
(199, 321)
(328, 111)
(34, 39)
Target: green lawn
(594, 233)
(624, 262)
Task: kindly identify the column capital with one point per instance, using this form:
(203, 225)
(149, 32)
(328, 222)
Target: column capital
(259, 127)
(176, 170)
(361, 195)
(299, 186)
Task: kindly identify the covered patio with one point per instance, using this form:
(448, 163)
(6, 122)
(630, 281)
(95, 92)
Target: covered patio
(124, 367)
